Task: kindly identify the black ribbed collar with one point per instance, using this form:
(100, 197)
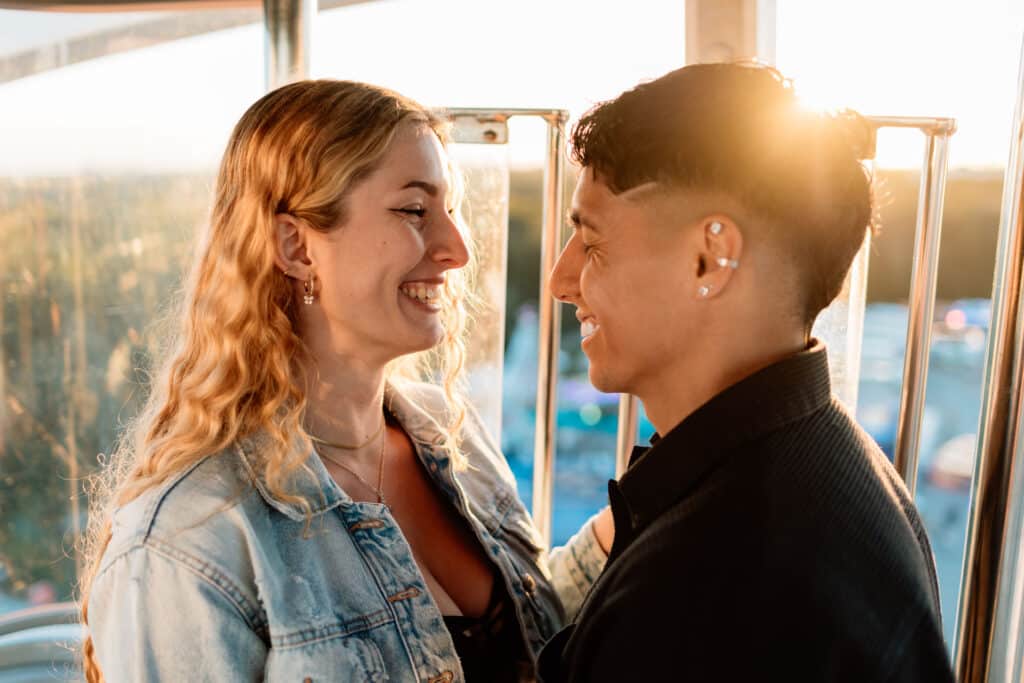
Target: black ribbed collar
(660, 475)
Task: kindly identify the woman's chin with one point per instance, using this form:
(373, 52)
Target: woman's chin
(424, 339)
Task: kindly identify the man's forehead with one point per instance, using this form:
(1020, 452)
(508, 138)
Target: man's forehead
(593, 199)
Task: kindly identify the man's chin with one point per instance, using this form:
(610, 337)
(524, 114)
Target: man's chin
(601, 381)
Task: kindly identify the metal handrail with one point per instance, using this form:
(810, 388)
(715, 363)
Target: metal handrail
(990, 625)
(287, 28)
(492, 126)
(629, 415)
(43, 615)
(921, 307)
(550, 325)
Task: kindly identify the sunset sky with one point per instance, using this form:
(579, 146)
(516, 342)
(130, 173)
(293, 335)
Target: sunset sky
(172, 106)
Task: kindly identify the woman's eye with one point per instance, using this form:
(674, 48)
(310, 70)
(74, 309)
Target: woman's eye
(419, 213)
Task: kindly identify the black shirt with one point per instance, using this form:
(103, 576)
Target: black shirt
(490, 647)
(765, 538)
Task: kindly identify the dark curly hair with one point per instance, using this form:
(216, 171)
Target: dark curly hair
(738, 129)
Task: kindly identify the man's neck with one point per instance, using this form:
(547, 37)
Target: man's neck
(684, 386)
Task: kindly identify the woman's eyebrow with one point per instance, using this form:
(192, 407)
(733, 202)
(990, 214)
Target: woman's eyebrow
(429, 188)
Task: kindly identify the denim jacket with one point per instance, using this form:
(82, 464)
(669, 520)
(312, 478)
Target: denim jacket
(210, 578)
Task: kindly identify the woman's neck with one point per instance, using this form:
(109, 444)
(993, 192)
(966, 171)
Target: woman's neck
(344, 403)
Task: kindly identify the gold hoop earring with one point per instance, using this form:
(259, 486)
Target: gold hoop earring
(308, 289)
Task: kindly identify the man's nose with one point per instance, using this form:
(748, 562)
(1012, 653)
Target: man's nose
(565, 276)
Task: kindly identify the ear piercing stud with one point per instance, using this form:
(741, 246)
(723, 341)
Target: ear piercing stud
(716, 228)
(703, 291)
(727, 262)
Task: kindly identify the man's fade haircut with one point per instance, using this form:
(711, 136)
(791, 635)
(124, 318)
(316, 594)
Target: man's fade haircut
(738, 129)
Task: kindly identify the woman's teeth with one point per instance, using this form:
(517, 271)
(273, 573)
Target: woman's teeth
(588, 328)
(425, 293)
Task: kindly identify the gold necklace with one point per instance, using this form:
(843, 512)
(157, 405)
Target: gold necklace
(379, 488)
(343, 447)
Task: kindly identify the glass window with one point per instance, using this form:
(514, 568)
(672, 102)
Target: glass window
(923, 59)
(111, 128)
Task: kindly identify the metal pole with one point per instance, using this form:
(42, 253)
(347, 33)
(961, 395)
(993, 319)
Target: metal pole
(287, 25)
(550, 325)
(988, 640)
(930, 125)
(922, 306)
(629, 415)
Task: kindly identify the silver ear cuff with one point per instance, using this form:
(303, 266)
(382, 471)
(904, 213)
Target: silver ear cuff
(727, 262)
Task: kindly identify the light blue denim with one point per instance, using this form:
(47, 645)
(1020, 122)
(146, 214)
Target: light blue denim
(210, 578)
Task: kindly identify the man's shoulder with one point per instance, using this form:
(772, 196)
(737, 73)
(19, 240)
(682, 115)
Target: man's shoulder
(815, 499)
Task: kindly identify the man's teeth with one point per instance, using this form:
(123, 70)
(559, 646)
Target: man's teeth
(588, 328)
(424, 293)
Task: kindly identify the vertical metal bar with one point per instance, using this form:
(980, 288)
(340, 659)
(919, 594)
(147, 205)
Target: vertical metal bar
(922, 306)
(629, 415)
(287, 26)
(988, 646)
(550, 325)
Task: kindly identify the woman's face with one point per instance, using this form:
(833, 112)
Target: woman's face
(381, 274)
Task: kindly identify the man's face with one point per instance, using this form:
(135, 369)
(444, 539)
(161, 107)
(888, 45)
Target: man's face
(630, 272)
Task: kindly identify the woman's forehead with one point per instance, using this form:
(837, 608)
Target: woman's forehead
(415, 159)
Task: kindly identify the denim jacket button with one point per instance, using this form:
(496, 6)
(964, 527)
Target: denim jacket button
(529, 584)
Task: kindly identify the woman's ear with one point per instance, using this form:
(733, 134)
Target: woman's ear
(290, 252)
(721, 246)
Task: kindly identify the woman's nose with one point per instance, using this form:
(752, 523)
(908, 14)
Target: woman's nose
(450, 247)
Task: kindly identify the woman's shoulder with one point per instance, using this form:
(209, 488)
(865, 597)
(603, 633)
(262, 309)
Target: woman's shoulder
(188, 514)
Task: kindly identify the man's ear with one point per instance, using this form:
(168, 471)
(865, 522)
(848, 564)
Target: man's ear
(290, 252)
(719, 253)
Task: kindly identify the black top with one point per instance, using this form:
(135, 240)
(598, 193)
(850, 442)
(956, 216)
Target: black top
(765, 538)
(490, 647)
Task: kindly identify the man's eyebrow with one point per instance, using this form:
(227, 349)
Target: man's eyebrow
(578, 221)
(429, 188)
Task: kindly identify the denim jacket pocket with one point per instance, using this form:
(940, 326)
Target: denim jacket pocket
(340, 657)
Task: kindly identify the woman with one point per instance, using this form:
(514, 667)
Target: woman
(293, 505)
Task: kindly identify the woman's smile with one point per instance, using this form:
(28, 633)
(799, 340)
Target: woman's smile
(424, 295)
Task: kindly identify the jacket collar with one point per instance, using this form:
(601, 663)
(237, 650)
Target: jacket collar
(313, 483)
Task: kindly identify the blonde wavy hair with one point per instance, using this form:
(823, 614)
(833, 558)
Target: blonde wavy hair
(232, 367)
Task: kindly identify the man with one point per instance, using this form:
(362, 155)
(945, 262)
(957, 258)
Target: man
(763, 536)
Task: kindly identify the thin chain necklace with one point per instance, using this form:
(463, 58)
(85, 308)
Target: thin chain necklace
(379, 488)
(344, 447)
